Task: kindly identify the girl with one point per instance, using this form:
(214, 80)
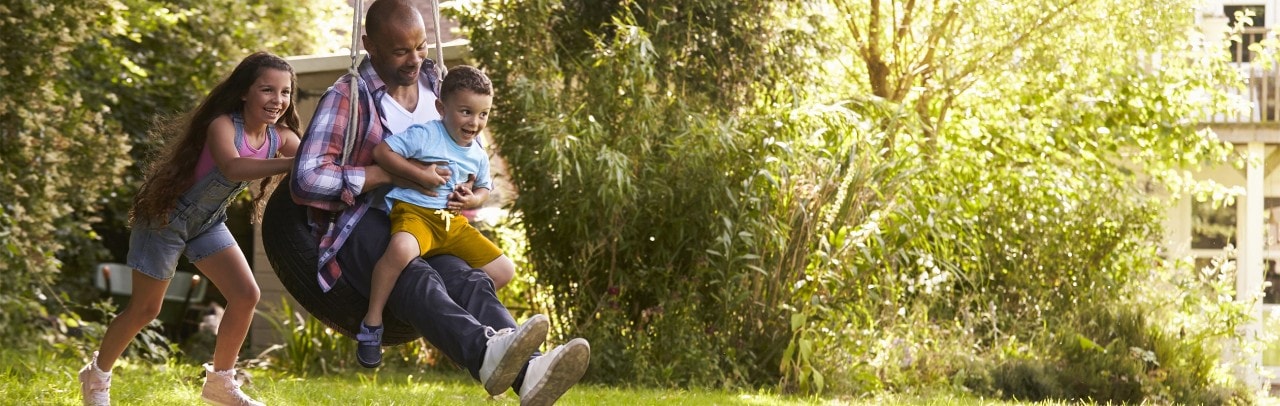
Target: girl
(232, 138)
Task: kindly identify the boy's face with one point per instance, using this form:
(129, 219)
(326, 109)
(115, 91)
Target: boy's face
(465, 113)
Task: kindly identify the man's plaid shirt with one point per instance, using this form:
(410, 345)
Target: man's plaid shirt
(331, 186)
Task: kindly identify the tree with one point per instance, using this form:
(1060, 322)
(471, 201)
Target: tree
(58, 152)
(628, 111)
(852, 196)
(76, 123)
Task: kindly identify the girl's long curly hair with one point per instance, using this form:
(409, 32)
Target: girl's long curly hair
(172, 171)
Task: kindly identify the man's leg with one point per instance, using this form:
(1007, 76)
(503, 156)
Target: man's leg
(472, 289)
(418, 297)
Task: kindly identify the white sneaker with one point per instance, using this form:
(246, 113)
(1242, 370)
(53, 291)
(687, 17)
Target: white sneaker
(95, 385)
(508, 351)
(552, 374)
(221, 388)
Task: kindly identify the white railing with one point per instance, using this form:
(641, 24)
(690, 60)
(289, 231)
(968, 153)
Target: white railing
(1261, 93)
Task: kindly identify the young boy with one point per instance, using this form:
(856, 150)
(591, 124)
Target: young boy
(423, 221)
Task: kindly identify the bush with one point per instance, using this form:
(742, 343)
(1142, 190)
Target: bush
(805, 234)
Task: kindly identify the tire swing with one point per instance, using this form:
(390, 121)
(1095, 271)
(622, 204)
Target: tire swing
(292, 249)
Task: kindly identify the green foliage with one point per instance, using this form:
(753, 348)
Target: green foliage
(57, 149)
(310, 347)
(667, 172)
(79, 94)
(948, 198)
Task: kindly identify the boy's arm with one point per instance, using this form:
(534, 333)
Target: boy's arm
(422, 177)
(465, 197)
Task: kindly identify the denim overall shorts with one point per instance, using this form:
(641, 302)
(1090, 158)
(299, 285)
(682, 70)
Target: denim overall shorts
(197, 225)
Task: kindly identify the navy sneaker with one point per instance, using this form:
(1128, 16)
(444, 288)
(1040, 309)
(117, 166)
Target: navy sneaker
(369, 349)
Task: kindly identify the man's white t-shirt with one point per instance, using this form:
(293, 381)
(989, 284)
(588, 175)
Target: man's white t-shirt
(399, 118)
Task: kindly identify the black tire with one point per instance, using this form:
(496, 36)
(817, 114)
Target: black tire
(291, 249)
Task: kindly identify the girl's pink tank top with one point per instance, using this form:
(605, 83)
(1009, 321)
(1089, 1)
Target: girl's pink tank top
(205, 164)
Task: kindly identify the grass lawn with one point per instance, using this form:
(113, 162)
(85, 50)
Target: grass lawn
(43, 378)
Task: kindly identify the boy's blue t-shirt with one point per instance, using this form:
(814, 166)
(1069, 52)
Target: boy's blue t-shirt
(430, 142)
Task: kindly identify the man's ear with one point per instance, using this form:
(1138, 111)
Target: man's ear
(440, 107)
(364, 40)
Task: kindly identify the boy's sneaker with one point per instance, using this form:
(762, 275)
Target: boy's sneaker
(508, 351)
(552, 374)
(95, 384)
(369, 349)
(221, 388)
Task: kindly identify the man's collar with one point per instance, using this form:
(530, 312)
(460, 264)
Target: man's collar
(370, 76)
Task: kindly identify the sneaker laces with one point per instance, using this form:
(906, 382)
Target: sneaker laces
(97, 380)
(230, 378)
(99, 386)
(494, 335)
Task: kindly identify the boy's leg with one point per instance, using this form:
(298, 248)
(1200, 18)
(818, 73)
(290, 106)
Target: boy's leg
(501, 270)
(402, 248)
(419, 296)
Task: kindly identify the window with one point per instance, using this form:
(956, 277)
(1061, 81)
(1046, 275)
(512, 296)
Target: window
(1252, 33)
(1213, 226)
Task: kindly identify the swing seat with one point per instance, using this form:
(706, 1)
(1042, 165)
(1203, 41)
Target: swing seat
(292, 251)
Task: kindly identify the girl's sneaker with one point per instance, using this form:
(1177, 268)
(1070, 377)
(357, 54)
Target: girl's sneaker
(95, 384)
(221, 388)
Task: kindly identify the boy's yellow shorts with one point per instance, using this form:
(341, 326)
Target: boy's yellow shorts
(461, 240)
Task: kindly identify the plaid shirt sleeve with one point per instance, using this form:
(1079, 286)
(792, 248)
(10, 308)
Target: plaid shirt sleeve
(319, 180)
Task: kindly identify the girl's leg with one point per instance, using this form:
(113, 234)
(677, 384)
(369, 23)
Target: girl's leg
(501, 270)
(229, 271)
(402, 249)
(143, 307)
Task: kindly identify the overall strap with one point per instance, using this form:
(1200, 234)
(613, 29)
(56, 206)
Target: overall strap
(238, 120)
(273, 141)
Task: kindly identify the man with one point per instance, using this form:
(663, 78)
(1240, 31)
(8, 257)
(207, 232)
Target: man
(453, 306)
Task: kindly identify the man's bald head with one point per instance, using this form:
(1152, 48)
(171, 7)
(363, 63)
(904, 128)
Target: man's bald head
(396, 41)
(385, 15)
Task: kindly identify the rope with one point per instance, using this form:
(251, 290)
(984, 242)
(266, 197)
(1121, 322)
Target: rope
(353, 107)
(435, 15)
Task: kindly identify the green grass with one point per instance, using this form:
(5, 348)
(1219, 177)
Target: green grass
(45, 378)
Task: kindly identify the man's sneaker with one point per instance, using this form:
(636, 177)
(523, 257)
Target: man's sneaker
(221, 388)
(508, 351)
(95, 384)
(552, 374)
(369, 348)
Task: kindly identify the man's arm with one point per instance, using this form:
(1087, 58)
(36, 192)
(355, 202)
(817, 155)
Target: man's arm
(319, 181)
